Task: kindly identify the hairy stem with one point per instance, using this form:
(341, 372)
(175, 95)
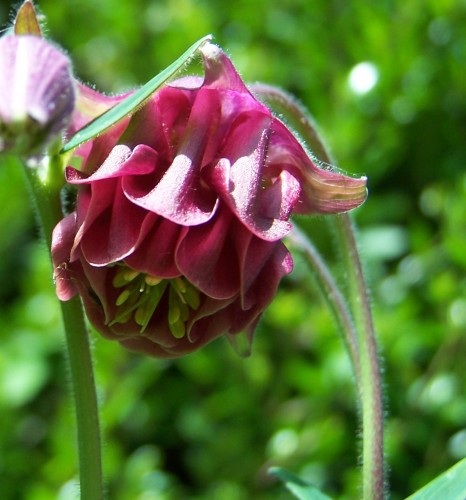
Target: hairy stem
(46, 192)
(333, 296)
(369, 383)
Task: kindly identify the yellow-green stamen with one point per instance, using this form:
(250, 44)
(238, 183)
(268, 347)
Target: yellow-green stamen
(141, 294)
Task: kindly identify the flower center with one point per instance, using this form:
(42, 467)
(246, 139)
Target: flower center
(141, 294)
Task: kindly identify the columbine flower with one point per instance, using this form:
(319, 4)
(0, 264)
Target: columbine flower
(36, 93)
(176, 235)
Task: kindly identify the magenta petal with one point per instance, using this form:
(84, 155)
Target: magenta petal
(213, 318)
(278, 200)
(260, 290)
(121, 161)
(175, 198)
(322, 190)
(238, 176)
(113, 235)
(146, 346)
(159, 122)
(262, 264)
(187, 83)
(62, 242)
(206, 256)
(180, 196)
(100, 304)
(219, 70)
(92, 202)
(155, 252)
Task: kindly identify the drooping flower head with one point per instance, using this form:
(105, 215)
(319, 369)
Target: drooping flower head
(36, 93)
(180, 213)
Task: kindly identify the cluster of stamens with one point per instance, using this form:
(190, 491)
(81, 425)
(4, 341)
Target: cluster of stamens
(141, 294)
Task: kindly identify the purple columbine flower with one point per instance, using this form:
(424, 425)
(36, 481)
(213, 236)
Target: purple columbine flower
(180, 213)
(36, 94)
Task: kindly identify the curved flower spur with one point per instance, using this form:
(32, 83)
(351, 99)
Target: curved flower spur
(180, 212)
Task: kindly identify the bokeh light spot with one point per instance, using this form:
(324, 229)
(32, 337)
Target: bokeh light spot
(363, 77)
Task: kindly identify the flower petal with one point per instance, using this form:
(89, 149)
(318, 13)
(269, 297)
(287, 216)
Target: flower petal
(238, 176)
(180, 196)
(112, 235)
(62, 242)
(121, 161)
(322, 190)
(262, 264)
(206, 256)
(219, 70)
(154, 252)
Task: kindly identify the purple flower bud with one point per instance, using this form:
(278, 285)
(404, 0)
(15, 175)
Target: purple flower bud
(176, 236)
(36, 94)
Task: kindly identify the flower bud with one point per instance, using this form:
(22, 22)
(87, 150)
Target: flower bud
(36, 94)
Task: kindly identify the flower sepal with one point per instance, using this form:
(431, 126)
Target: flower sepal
(26, 20)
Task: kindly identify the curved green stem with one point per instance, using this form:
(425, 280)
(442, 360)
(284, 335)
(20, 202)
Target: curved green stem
(46, 192)
(369, 384)
(336, 302)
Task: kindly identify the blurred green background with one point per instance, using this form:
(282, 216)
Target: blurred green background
(386, 83)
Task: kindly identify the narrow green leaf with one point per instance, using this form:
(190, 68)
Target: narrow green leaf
(26, 22)
(133, 102)
(450, 485)
(301, 489)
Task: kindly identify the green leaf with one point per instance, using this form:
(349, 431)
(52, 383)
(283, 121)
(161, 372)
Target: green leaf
(133, 102)
(450, 485)
(299, 487)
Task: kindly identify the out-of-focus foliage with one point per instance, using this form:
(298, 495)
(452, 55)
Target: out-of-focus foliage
(209, 426)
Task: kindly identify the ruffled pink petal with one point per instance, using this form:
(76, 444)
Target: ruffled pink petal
(146, 346)
(62, 242)
(187, 83)
(278, 200)
(180, 196)
(121, 161)
(92, 203)
(219, 70)
(277, 262)
(206, 256)
(113, 235)
(160, 122)
(262, 265)
(99, 297)
(162, 344)
(238, 176)
(155, 250)
(322, 190)
(212, 319)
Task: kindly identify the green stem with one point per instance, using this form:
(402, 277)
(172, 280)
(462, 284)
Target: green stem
(46, 193)
(330, 291)
(369, 384)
